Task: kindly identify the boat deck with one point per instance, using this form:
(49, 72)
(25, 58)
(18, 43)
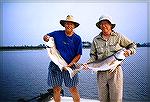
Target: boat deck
(69, 99)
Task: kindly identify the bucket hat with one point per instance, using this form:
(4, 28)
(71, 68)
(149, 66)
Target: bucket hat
(105, 18)
(69, 18)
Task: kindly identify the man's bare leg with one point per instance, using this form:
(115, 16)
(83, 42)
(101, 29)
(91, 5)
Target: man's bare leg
(57, 90)
(75, 94)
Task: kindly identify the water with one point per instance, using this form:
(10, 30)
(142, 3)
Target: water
(23, 74)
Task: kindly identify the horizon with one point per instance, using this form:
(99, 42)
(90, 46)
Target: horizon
(42, 44)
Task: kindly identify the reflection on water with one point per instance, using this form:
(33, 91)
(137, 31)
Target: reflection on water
(24, 74)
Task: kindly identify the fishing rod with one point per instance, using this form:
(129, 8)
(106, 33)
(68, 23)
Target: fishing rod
(42, 97)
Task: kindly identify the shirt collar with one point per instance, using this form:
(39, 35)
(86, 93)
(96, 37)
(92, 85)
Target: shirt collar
(100, 35)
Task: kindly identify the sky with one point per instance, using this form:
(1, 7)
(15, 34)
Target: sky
(25, 23)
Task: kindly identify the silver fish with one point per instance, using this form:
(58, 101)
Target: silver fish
(103, 65)
(56, 57)
(108, 63)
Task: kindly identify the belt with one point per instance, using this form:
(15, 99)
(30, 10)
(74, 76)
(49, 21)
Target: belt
(109, 69)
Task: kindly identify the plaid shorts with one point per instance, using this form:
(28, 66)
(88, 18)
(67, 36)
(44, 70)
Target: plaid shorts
(56, 77)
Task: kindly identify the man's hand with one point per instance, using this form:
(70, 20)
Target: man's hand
(69, 65)
(46, 38)
(85, 66)
(127, 53)
(65, 68)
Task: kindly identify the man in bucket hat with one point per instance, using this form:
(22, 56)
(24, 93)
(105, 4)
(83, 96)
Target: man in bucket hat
(110, 82)
(69, 44)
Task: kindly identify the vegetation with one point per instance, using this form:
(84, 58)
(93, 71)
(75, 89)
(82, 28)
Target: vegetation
(85, 44)
(25, 47)
(143, 45)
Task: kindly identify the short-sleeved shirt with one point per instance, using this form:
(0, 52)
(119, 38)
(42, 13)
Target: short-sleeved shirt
(68, 46)
(102, 48)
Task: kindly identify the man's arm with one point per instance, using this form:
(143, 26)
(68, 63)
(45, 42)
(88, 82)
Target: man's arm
(75, 60)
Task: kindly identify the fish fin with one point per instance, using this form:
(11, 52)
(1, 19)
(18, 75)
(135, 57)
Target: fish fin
(70, 71)
(112, 62)
(75, 72)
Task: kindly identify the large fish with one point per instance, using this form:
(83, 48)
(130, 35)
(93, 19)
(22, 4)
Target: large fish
(108, 63)
(56, 57)
(103, 65)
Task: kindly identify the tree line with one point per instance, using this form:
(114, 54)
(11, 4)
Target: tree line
(85, 44)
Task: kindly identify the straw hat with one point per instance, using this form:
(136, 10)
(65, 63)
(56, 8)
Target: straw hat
(105, 18)
(69, 18)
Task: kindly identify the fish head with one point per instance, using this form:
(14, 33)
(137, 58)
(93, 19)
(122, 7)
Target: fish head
(120, 54)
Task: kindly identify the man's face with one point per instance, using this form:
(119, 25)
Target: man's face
(69, 26)
(105, 26)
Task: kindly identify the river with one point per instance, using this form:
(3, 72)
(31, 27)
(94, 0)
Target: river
(23, 74)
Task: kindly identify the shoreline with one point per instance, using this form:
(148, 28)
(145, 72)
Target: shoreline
(26, 48)
(37, 48)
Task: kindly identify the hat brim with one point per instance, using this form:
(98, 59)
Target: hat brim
(97, 24)
(62, 22)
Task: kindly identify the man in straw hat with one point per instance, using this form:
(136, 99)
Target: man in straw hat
(110, 82)
(69, 44)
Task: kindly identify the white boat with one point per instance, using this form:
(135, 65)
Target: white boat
(69, 99)
(48, 97)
